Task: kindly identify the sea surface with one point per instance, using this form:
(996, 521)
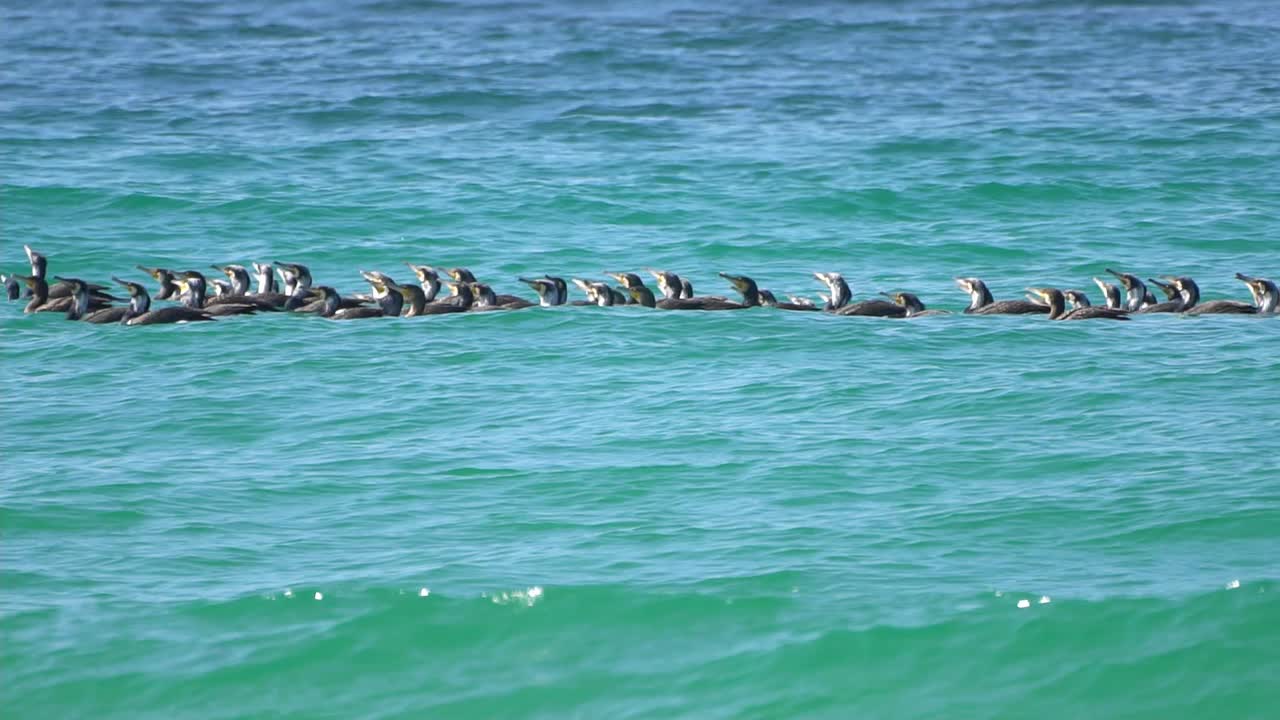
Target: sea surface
(625, 513)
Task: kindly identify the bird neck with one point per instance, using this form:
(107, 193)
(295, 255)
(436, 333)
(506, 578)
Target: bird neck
(1057, 306)
(979, 296)
(1190, 294)
(79, 305)
(239, 282)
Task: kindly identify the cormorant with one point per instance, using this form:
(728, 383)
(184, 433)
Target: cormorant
(12, 288)
(40, 301)
(385, 290)
(913, 305)
(644, 296)
(597, 293)
(98, 296)
(674, 287)
(80, 303)
(240, 287)
(1110, 292)
(1172, 305)
(1265, 293)
(548, 293)
(428, 278)
(981, 302)
(1191, 304)
(1056, 303)
(841, 295)
(164, 276)
(753, 296)
(1136, 293)
(140, 312)
(1076, 298)
(192, 291)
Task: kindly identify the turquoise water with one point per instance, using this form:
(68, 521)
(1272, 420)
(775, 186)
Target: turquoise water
(591, 512)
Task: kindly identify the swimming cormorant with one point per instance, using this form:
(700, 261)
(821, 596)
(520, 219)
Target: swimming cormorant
(80, 304)
(1136, 293)
(1265, 293)
(753, 296)
(1191, 304)
(1110, 292)
(913, 305)
(192, 291)
(1173, 303)
(1057, 305)
(140, 312)
(981, 302)
(839, 302)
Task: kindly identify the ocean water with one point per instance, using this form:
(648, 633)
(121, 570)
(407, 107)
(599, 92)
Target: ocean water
(613, 512)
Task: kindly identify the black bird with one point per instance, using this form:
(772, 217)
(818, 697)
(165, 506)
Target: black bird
(1056, 303)
(80, 302)
(239, 292)
(60, 290)
(1136, 293)
(1191, 304)
(548, 292)
(12, 288)
(635, 287)
(1172, 305)
(839, 301)
(428, 278)
(1265, 293)
(167, 280)
(912, 304)
(753, 296)
(981, 302)
(1110, 292)
(192, 290)
(140, 312)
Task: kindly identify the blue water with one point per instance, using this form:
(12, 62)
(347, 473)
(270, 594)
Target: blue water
(621, 512)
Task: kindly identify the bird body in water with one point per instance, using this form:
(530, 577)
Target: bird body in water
(80, 301)
(496, 301)
(1191, 304)
(642, 295)
(1172, 304)
(98, 295)
(840, 299)
(913, 304)
(415, 300)
(674, 287)
(297, 287)
(140, 312)
(487, 300)
(1136, 293)
(193, 290)
(982, 303)
(240, 288)
(598, 293)
(1057, 304)
(41, 302)
(753, 296)
(385, 291)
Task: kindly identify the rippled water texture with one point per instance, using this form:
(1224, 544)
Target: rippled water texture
(590, 512)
